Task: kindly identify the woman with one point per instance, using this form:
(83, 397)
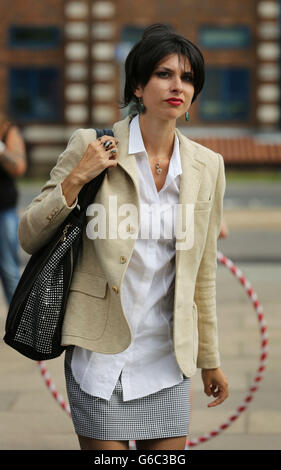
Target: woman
(140, 316)
(12, 165)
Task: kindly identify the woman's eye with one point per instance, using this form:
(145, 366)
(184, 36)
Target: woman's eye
(188, 78)
(162, 74)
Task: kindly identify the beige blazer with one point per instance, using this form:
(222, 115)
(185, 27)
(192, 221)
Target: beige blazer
(94, 317)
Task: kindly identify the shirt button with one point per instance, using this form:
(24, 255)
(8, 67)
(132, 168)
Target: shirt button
(123, 259)
(115, 289)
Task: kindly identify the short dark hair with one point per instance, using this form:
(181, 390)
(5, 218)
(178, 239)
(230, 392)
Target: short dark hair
(158, 41)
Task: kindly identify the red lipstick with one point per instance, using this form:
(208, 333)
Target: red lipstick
(175, 101)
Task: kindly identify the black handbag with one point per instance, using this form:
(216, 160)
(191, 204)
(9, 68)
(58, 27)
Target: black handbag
(36, 312)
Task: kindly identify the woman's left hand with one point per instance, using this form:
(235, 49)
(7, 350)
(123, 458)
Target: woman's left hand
(215, 384)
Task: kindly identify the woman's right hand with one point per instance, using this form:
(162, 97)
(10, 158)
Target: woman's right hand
(97, 158)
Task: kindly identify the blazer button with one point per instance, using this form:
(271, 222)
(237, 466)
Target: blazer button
(123, 259)
(131, 228)
(115, 289)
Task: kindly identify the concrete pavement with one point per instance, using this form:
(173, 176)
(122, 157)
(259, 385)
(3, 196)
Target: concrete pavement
(30, 418)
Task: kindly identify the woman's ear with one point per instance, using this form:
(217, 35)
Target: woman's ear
(138, 92)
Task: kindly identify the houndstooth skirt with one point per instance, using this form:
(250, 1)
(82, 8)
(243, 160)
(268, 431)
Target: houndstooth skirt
(161, 414)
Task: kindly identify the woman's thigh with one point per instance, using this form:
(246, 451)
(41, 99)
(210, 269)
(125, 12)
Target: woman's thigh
(167, 443)
(87, 443)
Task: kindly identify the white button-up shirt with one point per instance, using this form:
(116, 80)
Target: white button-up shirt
(149, 363)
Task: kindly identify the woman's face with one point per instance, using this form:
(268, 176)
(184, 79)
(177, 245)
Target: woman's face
(169, 91)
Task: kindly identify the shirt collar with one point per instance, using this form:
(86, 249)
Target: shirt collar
(136, 146)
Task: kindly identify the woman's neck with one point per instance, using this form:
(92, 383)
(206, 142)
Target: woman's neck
(158, 136)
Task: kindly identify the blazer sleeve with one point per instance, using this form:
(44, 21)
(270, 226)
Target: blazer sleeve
(205, 287)
(49, 209)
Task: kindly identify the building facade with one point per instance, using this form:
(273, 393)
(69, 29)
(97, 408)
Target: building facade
(62, 68)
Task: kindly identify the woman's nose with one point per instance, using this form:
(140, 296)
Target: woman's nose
(176, 84)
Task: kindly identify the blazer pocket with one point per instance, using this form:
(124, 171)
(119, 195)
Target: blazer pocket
(195, 332)
(89, 284)
(88, 306)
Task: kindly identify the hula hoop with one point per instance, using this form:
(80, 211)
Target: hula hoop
(254, 386)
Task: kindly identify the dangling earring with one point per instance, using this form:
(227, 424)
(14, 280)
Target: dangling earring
(141, 107)
(187, 116)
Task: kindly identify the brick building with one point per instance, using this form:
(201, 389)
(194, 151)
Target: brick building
(62, 68)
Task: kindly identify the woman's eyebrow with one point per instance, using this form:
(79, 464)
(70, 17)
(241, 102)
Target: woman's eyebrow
(167, 69)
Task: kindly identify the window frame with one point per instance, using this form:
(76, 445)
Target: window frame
(56, 115)
(226, 90)
(13, 43)
(224, 46)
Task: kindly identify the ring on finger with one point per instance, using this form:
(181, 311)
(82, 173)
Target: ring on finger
(107, 144)
(113, 151)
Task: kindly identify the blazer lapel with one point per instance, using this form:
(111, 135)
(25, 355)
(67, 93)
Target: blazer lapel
(192, 170)
(127, 162)
(192, 167)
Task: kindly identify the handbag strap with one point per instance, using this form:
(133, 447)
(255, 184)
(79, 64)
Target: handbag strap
(89, 191)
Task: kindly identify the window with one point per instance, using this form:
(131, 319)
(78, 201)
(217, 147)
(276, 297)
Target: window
(33, 37)
(130, 35)
(224, 37)
(226, 94)
(34, 93)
